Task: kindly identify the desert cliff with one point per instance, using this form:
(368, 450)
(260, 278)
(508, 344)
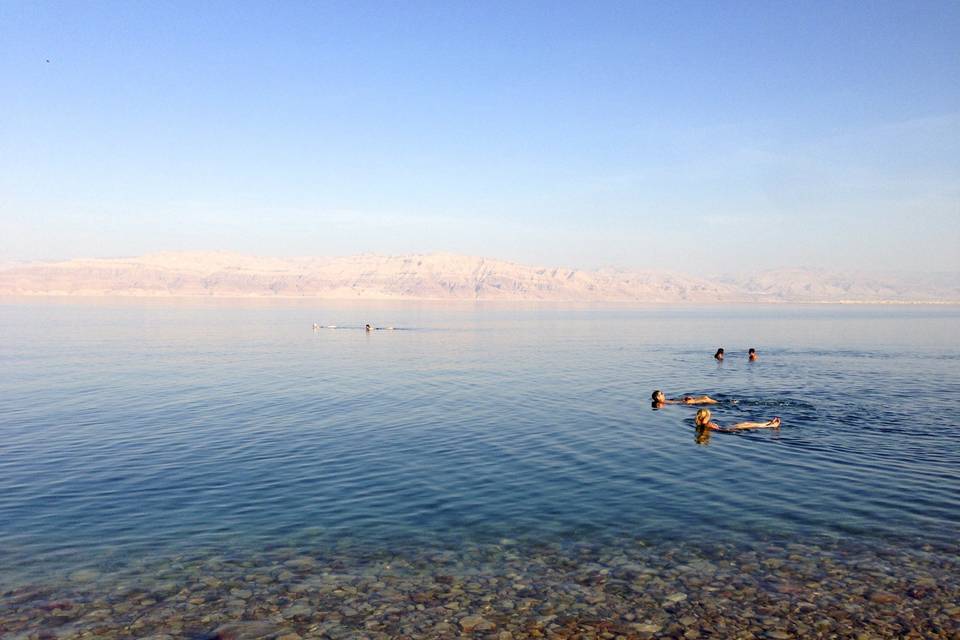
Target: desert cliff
(448, 277)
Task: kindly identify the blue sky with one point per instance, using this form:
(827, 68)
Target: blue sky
(699, 136)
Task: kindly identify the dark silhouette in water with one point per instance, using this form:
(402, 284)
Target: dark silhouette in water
(752, 355)
(719, 354)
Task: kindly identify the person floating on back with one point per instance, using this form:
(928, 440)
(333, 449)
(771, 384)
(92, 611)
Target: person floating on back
(702, 421)
(719, 354)
(659, 399)
(752, 355)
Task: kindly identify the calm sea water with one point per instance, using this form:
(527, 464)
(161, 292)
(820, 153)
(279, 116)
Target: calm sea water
(138, 428)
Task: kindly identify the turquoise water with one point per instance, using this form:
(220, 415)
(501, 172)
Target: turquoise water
(138, 428)
(169, 467)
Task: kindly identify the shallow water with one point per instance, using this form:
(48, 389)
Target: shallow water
(137, 432)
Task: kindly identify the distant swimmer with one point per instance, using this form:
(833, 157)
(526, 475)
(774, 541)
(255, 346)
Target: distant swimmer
(752, 355)
(367, 327)
(719, 354)
(702, 421)
(659, 399)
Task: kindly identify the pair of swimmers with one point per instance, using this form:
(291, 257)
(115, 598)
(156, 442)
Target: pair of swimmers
(751, 354)
(702, 420)
(366, 327)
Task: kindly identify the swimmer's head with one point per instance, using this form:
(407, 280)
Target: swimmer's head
(657, 396)
(368, 327)
(719, 354)
(751, 351)
(703, 417)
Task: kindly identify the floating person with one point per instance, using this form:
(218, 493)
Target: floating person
(659, 399)
(719, 354)
(367, 327)
(702, 421)
(752, 355)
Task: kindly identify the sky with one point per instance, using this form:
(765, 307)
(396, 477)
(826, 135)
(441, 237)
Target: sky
(705, 137)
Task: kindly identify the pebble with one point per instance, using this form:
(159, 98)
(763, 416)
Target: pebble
(628, 589)
(882, 597)
(255, 630)
(84, 575)
(476, 623)
(301, 563)
(297, 610)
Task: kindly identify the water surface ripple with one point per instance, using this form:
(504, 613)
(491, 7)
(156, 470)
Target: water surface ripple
(130, 429)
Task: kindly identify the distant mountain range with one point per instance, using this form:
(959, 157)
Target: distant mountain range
(450, 277)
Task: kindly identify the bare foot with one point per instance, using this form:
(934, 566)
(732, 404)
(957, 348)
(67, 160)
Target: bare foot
(775, 423)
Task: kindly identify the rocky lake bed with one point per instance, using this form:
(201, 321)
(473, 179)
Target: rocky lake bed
(504, 591)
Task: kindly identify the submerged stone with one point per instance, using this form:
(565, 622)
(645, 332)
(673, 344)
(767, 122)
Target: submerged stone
(476, 623)
(84, 575)
(254, 630)
(883, 597)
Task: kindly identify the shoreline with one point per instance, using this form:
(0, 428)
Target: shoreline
(460, 301)
(774, 588)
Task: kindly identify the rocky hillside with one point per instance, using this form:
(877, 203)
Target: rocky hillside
(445, 277)
(817, 285)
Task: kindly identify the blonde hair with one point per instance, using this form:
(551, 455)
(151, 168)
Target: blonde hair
(703, 417)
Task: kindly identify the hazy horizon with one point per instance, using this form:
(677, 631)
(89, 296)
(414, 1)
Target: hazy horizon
(692, 137)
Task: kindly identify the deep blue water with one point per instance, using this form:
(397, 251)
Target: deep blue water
(130, 428)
